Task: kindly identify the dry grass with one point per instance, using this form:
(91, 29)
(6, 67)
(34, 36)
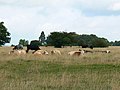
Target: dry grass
(92, 71)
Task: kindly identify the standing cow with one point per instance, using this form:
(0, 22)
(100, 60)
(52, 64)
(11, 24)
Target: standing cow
(32, 47)
(87, 46)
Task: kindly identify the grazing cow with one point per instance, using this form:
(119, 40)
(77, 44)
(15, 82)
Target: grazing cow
(84, 46)
(32, 47)
(55, 52)
(41, 52)
(76, 53)
(18, 47)
(87, 46)
(18, 52)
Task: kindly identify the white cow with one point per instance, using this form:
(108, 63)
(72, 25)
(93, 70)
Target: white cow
(76, 53)
(55, 52)
(106, 51)
(41, 52)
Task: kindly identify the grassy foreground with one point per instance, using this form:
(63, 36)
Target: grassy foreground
(92, 71)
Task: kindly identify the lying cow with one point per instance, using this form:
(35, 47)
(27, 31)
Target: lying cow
(32, 47)
(18, 52)
(41, 52)
(104, 51)
(86, 51)
(76, 53)
(55, 52)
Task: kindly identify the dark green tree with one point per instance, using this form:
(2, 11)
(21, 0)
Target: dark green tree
(42, 38)
(66, 41)
(100, 42)
(115, 43)
(23, 42)
(56, 39)
(4, 34)
(59, 39)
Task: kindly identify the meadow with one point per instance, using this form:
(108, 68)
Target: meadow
(91, 71)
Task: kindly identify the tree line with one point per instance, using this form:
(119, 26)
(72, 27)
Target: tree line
(59, 39)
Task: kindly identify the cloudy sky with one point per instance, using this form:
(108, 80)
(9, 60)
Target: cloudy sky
(25, 19)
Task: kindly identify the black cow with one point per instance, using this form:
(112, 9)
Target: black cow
(18, 47)
(87, 46)
(32, 47)
(84, 46)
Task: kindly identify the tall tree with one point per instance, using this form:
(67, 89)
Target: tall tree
(4, 34)
(42, 38)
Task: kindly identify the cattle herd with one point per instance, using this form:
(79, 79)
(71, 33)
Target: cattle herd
(18, 50)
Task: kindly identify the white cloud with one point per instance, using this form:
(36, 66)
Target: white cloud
(26, 19)
(115, 6)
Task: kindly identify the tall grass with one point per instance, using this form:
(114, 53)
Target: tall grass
(92, 71)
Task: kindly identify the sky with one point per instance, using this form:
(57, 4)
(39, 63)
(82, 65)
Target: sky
(26, 19)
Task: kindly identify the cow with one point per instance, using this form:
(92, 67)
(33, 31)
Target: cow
(18, 47)
(87, 46)
(37, 53)
(18, 52)
(41, 52)
(32, 47)
(55, 52)
(86, 51)
(106, 51)
(76, 53)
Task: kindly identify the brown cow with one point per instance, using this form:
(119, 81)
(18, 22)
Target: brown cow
(106, 51)
(76, 53)
(41, 52)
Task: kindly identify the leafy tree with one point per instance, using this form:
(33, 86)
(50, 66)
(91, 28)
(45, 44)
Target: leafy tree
(23, 42)
(66, 41)
(42, 38)
(4, 34)
(59, 39)
(56, 39)
(100, 42)
(91, 40)
(116, 43)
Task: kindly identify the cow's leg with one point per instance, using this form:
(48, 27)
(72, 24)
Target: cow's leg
(34, 51)
(27, 50)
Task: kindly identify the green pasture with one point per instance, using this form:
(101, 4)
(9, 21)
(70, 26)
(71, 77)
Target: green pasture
(91, 71)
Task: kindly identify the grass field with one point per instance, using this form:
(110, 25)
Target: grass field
(91, 71)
